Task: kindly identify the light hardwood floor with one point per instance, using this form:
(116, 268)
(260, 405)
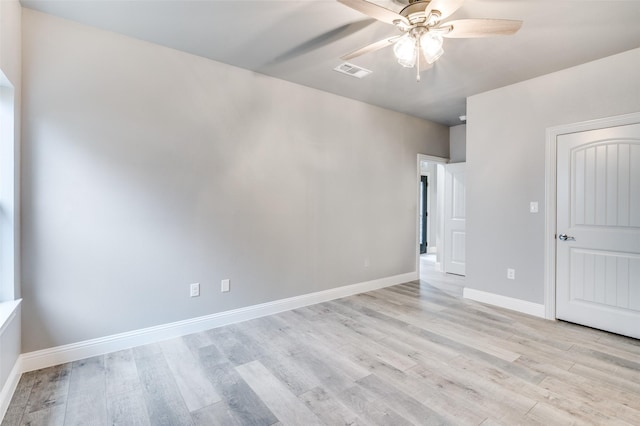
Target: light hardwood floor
(415, 353)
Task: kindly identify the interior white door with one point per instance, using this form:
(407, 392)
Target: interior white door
(598, 227)
(454, 218)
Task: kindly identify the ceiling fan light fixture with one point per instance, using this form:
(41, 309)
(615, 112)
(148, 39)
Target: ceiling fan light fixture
(406, 51)
(422, 31)
(434, 57)
(431, 45)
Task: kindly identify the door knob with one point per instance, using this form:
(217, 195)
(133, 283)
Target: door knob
(565, 237)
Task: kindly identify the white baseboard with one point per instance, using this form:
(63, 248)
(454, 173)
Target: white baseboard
(103, 345)
(523, 306)
(10, 317)
(10, 387)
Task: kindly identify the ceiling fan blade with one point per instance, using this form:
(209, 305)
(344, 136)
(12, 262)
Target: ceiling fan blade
(378, 12)
(322, 40)
(474, 28)
(371, 48)
(445, 7)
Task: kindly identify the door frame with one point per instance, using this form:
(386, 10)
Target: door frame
(430, 159)
(551, 165)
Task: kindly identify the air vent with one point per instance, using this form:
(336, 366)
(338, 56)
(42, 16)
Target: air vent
(352, 70)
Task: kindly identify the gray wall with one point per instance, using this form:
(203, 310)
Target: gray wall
(10, 40)
(458, 143)
(146, 169)
(506, 164)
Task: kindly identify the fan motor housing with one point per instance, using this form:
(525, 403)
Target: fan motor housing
(415, 12)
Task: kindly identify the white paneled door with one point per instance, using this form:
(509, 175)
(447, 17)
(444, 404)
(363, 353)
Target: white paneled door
(598, 229)
(454, 218)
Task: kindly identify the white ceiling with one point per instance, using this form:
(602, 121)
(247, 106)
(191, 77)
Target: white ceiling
(301, 41)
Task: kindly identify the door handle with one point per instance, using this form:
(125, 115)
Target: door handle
(565, 237)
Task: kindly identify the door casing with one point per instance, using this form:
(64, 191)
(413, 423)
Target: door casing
(551, 187)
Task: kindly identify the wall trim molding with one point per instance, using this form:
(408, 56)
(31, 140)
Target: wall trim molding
(550, 211)
(8, 312)
(72, 352)
(432, 158)
(518, 305)
(10, 345)
(9, 387)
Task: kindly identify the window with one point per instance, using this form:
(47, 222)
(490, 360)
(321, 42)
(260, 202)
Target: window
(7, 190)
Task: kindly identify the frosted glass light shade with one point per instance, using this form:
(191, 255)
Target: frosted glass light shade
(405, 51)
(431, 47)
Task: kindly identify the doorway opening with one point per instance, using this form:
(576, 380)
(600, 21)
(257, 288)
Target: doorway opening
(430, 210)
(424, 213)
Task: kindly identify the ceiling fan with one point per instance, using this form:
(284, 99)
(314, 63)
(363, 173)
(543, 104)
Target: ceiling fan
(422, 29)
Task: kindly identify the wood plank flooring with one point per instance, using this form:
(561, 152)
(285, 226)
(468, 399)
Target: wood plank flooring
(415, 353)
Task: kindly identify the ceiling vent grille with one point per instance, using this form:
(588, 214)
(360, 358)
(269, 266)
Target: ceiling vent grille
(352, 70)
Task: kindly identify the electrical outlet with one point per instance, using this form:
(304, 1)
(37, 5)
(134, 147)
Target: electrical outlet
(225, 285)
(194, 290)
(511, 274)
